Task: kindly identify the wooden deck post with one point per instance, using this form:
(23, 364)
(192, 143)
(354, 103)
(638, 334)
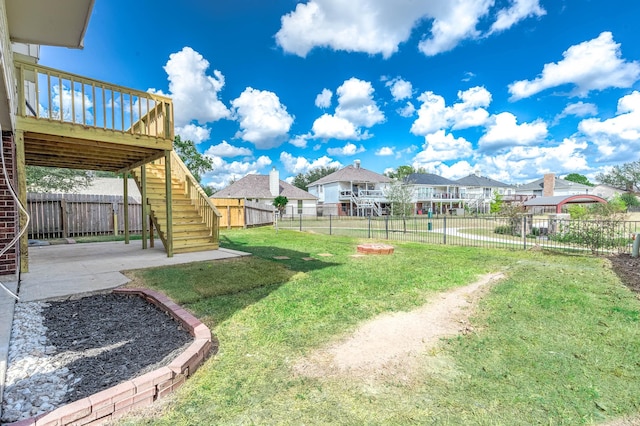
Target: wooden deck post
(151, 232)
(22, 195)
(114, 208)
(126, 209)
(167, 178)
(145, 208)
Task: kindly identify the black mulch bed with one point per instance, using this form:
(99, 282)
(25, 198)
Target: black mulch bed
(628, 269)
(111, 338)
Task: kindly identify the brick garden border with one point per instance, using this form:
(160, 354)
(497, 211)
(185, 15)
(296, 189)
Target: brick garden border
(117, 401)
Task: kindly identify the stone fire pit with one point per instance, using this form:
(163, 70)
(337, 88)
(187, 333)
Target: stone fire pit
(375, 249)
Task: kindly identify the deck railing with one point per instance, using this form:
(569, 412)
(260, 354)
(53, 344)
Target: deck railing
(57, 96)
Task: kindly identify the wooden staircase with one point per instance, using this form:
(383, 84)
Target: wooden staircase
(194, 217)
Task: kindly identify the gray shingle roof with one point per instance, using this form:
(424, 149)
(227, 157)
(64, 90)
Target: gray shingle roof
(429, 179)
(482, 181)
(559, 185)
(352, 174)
(257, 186)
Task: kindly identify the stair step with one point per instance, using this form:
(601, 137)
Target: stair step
(176, 211)
(179, 242)
(191, 233)
(194, 248)
(174, 201)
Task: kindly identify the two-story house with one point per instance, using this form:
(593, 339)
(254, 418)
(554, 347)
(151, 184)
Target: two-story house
(434, 193)
(351, 191)
(479, 191)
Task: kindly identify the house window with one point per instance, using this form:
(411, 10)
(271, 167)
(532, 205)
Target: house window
(299, 206)
(321, 188)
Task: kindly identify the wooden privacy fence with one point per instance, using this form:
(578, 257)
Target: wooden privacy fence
(75, 215)
(241, 213)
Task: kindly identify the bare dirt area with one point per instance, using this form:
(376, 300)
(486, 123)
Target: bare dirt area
(628, 269)
(389, 345)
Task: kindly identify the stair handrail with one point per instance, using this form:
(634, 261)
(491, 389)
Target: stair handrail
(184, 170)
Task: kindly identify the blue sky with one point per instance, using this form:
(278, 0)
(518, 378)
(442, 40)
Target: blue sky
(511, 89)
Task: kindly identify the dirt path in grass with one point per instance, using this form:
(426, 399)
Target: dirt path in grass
(388, 345)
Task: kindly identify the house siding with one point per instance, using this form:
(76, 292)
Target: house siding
(9, 223)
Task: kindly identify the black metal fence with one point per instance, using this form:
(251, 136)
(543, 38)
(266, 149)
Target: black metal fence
(524, 232)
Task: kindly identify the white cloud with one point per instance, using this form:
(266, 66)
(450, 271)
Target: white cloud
(431, 114)
(300, 141)
(408, 110)
(193, 133)
(434, 115)
(225, 149)
(455, 22)
(521, 163)
(591, 65)
(297, 165)
(323, 100)
(400, 89)
(264, 121)
(356, 109)
(380, 26)
(505, 131)
(356, 103)
(519, 10)
(617, 138)
(370, 26)
(330, 127)
(194, 93)
(457, 170)
(580, 109)
(385, 151)
(347, 150)
(577, 109)
(224, 172)
(441, 146)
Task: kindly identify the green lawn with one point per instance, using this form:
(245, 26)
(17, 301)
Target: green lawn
(556, 342)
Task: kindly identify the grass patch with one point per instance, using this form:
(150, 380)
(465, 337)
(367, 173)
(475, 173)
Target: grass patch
(556, 342)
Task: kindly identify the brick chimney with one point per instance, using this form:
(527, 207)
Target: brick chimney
(274, 182)
(549, 185)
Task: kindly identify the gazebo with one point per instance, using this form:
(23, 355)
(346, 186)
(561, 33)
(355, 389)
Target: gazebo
(560, 200)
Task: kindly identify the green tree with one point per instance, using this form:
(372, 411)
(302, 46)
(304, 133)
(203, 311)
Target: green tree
(197, 163)
(630, 200)
(400, 196)
(49, 179)
(496, 203)
(626, 176)
(402, 172)
(302, 180)
(578, 178)
(280, 203)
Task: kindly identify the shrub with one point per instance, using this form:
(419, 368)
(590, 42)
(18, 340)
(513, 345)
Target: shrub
(503, 229)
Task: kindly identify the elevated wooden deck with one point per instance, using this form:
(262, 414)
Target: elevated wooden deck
(70, 121)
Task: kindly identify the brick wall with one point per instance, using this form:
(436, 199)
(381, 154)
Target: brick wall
(9, 222)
